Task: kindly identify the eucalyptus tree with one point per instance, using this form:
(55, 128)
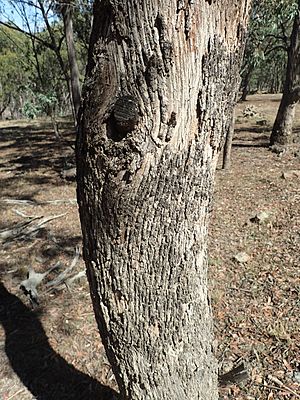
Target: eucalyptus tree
(272, 59)
(66, 9)
(41, 22)
(157, 100)
(82, 23)
(15, 72)
(282, 132)
(254, 52)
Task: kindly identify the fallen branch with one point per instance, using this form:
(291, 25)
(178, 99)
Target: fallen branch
(8, 233)
(34, 279)
(35, 203)
(63, 279)
(47, 219)
(17, 201)
(15, 394)
(67, 201)
(80, 274)
(26, 229)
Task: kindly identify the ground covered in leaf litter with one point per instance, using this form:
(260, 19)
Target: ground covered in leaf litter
(54, 352)
(257, 303)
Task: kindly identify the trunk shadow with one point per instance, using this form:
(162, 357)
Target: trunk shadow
(43, 371)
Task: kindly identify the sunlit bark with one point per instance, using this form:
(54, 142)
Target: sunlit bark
(157, 102)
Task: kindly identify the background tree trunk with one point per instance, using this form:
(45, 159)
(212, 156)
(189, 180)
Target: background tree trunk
(228, 145)
(66, 11)
(245, 83)
(157, 101)
(283, 125)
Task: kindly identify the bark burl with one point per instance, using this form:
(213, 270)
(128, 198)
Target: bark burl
(157, 102)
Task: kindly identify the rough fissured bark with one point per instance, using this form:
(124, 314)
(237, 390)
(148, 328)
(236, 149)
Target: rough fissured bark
(157, 101)
(283, 125)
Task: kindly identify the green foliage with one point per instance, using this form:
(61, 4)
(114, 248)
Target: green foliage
(14, 69)
(266, 48)
(33, 55)
(39, 104)
(82, 21)
(22, 67)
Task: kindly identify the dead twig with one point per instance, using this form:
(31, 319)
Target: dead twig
(26, 229)
(15, 394)
(29, 285)
(80, 274)
(35, 203)
(14, 232)
(65, 278)
(66, 201)
(282, 385)
(17, 201)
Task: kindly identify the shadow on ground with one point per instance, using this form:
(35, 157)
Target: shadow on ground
(34, 147)
(44, 372)
(261, 140)
(252, 129)
(247, 144)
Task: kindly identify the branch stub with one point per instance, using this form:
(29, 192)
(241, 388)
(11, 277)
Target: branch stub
(126, 113)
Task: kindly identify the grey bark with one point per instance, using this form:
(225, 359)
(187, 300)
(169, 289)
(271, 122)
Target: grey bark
(66, 11)
(157, 101)
(282, 132)
(228, 146)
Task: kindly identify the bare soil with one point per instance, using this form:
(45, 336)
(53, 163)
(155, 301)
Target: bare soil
(54, 352)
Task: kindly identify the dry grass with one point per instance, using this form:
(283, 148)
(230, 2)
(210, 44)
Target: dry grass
(51, 351)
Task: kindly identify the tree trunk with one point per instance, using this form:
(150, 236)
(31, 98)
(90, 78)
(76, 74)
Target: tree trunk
(245, 83)
(74, 72)
(56, 48)
(283, 125)
(228, 146)
(5, 104)
(157, 100)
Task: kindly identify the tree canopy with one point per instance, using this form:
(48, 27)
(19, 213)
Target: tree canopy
(266, 48)
(34, 66)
